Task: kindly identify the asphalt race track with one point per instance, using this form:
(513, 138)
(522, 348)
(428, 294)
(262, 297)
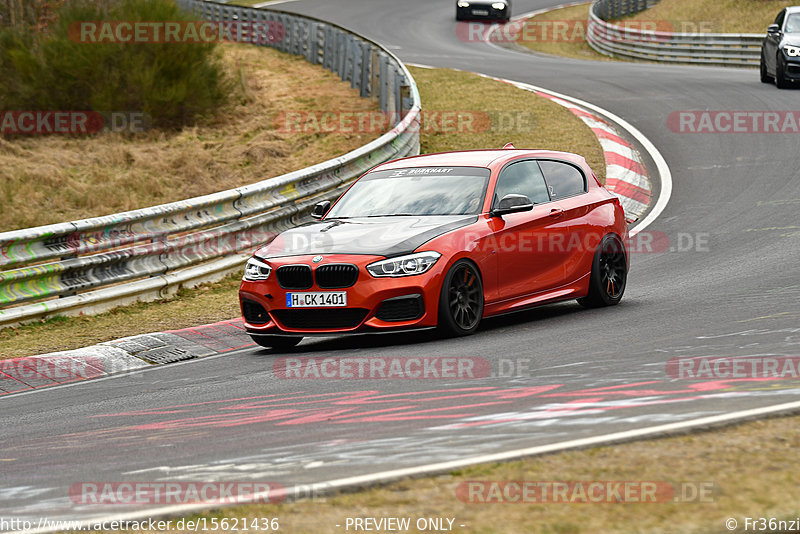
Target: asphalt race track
(730, 288)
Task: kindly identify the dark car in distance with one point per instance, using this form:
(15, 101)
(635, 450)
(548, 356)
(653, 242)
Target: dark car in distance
(483, 9)
(780, 50)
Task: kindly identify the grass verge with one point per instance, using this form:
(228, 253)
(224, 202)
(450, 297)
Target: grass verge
(560, 32)
(714, 16)
(512, 115)
(541, 34)
(747, 467)
(518, 116)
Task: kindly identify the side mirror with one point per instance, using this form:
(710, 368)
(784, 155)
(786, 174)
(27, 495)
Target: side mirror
(773, 28)
(320, 209)
(512, 204)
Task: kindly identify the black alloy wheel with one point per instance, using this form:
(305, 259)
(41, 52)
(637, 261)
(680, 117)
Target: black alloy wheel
(609, 274)
(461, 302)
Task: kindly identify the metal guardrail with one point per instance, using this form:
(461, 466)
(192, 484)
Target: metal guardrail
(717, 49)
(95, 264)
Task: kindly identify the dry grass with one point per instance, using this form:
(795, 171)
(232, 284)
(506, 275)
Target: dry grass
(554, 127)
(517, 116)
(751, 467)
(715, 16)
(533, 36)
(54, 179)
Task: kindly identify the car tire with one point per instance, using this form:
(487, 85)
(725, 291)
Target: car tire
(277, 342)
(780, 75)
(461, 300)
(765, 77)
(609, 274)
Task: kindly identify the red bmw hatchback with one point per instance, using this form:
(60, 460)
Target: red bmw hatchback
(441, 240)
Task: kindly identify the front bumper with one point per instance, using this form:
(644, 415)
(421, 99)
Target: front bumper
(373, 304)
(481, 11)
(791, 67)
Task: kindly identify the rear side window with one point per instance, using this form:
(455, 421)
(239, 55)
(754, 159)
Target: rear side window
(563, 180)
(522, 178)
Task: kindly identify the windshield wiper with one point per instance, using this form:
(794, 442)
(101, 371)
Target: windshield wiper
(394, 215)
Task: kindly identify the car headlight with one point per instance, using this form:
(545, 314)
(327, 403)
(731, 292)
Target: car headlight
(404, 265)
(792, 51)
(462, 3)
(499, 5)
(256, 270)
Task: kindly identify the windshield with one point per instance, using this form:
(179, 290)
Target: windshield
(415, 191)
(793, 23)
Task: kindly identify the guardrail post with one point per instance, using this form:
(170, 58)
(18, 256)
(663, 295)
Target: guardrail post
(355, 80)
(407, 101)
(374, 73)
(328, 47)
(301, 27)
(290, 34)
(383, 96)
(341, 55)
(366, 66)
(398, 91)
(241, 31)
(391, 92)
(311, 44)
(347, 75)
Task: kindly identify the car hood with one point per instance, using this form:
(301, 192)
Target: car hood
(383, 236)
(791, 39)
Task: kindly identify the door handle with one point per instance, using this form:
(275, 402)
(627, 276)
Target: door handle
(555, 213)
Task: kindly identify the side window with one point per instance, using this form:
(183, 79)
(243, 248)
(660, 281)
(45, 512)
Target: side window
(522, 178)
(780, 17)
(563, 180)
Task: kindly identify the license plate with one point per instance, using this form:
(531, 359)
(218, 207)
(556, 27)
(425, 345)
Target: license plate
(324, 299)
(481, 12)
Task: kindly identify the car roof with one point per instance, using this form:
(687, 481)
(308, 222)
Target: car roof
(793, 9)
(478, 158)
